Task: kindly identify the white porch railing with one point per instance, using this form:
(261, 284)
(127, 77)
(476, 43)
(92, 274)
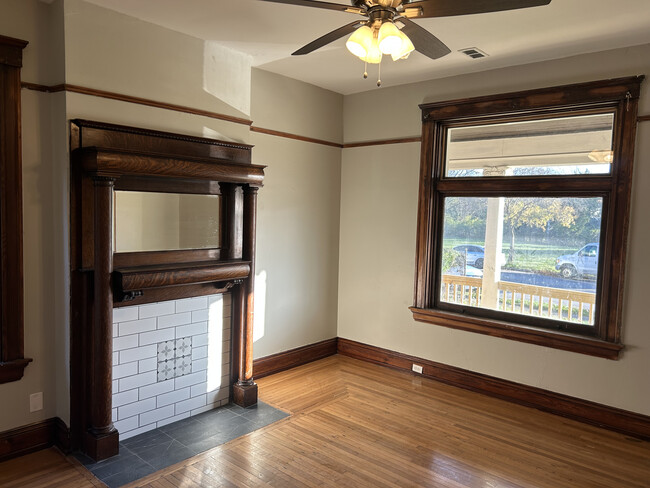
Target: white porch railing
(541, 301)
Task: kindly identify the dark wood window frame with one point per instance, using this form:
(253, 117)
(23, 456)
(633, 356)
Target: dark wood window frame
(619, 96)
(12, 360)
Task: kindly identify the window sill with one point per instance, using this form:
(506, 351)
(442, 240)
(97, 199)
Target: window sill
(516, 332)
(13, 370)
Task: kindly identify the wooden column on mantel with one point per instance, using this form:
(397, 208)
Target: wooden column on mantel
(108, 157)
(102, 438)
(245, 389)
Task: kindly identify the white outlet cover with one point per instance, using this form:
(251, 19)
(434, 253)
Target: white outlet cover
(417, 368)
(36, 402)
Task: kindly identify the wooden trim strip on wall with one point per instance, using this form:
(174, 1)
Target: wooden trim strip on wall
(137, 100)
(615, 419)
(403, 140)
(34, 437)
(296, 137)
(295, 357)
(214, 115)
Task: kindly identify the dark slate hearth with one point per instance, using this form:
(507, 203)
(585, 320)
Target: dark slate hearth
(154, 450)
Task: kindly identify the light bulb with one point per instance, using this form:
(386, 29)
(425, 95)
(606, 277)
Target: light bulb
(360, 40)
(390, 40)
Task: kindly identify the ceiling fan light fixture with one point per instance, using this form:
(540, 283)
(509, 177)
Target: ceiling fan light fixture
(360, 41)
(406, 48)
(374, 53)
(389, 38)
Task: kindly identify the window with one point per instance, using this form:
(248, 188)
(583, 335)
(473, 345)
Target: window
(523, 211)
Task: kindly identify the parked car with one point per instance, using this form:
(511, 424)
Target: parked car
(582, 262)
(475, 255)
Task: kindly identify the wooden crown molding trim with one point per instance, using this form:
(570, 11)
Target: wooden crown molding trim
(403, 140)
(295, 357)
(615, 419)
(34, 437)
(131, 99)
(295, 137)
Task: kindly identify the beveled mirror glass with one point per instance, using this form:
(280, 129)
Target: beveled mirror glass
(148, 221)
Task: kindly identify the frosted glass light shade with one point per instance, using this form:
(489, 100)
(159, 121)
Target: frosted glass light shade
(405, 49)
(389, 38)
(360, 41)
(374, 53)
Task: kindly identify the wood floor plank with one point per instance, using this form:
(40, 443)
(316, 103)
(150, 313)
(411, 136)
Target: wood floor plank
(356, 424)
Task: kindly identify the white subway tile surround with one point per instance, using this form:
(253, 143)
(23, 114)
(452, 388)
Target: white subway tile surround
(170, 360)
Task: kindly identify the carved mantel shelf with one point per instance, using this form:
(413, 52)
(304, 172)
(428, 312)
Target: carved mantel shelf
(108, 157)
(142, 278)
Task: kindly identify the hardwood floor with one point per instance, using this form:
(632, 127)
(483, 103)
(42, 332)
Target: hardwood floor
(46, 469)
(359, 424)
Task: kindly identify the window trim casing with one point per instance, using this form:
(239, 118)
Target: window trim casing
(12, 360)
(619, 94)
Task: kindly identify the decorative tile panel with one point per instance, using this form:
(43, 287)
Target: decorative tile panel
(164, 354)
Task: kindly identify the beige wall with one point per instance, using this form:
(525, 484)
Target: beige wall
(336, 229)
(85, 45)
(42, 233)
(298, 221)
(378, 229)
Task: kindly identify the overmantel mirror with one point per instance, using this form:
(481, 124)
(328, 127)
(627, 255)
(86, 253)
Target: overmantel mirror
(155, 217)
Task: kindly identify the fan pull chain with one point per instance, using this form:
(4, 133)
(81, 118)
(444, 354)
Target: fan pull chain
(379, 74)
(365, 70)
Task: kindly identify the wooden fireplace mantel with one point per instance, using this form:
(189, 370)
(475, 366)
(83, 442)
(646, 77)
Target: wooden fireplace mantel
(106, 157)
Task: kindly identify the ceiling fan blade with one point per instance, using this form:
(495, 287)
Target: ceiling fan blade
(314, 3)
(446, 8)
(329, 37)
(424, 42)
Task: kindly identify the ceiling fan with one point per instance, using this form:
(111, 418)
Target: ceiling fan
(378, 34)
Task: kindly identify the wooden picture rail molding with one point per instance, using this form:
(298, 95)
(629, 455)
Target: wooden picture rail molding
(295, 137)
(130, 99)
(404, 140)
(214, 115)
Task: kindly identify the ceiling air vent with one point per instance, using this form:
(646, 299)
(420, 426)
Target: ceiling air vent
(473, 52)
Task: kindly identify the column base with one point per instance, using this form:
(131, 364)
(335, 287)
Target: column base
(244, 395)
(101, 446)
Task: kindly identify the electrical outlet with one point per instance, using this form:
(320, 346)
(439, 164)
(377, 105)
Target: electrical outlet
(417, 368)
(36, 402)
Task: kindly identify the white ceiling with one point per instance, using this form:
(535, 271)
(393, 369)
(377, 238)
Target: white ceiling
(270, 32)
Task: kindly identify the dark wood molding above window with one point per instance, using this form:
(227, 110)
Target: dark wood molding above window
(599, 333)
(12, 360)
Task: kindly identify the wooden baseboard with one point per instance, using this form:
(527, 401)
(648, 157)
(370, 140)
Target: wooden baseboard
(34, 437)
(294, 357)
(615, 419)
